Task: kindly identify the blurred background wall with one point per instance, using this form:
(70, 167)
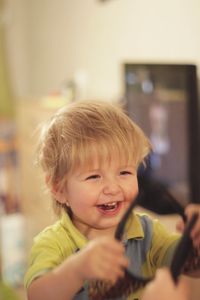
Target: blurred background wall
(52, 41)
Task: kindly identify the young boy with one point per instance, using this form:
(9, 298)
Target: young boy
(90, 153)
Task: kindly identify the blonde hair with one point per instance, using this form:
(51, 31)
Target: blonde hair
(84, 128)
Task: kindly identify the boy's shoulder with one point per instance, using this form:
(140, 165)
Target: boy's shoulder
(51, 236)
(61, 234)
(153, 222)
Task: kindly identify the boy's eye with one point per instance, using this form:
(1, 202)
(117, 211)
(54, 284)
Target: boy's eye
(125, 173)
(94, 176)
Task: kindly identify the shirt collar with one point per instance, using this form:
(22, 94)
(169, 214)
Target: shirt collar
(133, 230)
(75, 235)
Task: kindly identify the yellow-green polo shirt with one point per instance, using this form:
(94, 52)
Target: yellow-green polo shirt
(57, 242)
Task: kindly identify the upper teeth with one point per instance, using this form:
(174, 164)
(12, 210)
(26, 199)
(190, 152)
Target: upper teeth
(111, 204)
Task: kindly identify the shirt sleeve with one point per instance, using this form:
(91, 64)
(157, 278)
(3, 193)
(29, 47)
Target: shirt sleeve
(45, 255)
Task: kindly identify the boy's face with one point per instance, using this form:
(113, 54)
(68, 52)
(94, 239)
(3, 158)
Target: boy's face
(99, 196)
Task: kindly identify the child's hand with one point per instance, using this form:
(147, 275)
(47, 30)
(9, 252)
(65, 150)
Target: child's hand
(103, 258)
(163, 283)
(195, 233)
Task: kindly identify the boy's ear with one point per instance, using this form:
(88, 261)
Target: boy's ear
(57, 192)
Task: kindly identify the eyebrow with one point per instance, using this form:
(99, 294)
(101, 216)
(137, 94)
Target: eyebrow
(85, 172)
(99, 169)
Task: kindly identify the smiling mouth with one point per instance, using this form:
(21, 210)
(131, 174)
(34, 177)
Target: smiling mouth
(109, 207)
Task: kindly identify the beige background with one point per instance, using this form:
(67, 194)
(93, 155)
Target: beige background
(52, 41)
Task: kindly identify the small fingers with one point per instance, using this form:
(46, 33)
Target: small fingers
(164, 282)
(110, 273)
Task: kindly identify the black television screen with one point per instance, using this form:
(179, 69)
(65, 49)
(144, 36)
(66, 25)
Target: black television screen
(163, 100)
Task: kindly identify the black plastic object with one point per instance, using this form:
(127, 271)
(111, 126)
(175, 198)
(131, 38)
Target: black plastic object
(183, 249)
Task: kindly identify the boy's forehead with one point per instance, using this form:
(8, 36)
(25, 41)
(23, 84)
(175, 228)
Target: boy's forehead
(94, 155)
(95, 162)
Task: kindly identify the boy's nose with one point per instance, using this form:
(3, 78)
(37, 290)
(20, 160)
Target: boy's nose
(111, 187)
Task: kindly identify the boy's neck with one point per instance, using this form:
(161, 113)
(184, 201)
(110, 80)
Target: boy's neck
(94, 233)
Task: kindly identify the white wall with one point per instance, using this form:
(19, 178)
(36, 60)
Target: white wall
(66, 36)
(14, 20)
